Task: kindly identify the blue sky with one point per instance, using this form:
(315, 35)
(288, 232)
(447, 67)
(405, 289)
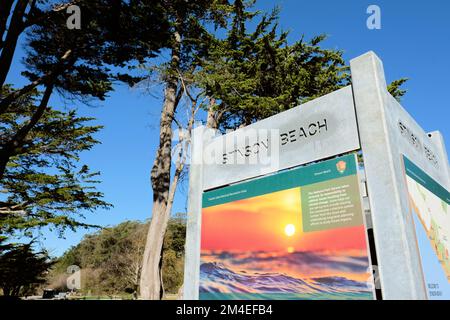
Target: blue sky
(414, 42)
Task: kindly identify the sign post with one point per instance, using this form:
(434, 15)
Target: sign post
(236, 177)
(387, 133)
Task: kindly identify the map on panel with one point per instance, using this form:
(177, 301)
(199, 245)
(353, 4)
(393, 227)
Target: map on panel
(429, 204)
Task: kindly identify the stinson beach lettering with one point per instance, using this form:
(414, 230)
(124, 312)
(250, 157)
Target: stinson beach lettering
(296, 135)
(303, 132)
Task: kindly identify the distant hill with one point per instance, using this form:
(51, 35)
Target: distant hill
(111, 259)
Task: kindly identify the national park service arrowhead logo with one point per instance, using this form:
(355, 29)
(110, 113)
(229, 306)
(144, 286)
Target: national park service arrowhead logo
(341, 166)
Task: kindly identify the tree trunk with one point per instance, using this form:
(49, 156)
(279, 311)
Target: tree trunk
(5, 10)
(150, 278)
(161, 227)
(15, 28)
(214, 116)
(150, 284)
(211, 121)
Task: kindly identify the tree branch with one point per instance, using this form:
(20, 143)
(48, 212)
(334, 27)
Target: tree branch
(10, 98)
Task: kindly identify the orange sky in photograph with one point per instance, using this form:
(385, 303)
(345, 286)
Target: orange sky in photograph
(271, 222)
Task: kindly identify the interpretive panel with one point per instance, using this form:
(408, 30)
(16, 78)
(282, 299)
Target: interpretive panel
(297, 234)
(429, 203)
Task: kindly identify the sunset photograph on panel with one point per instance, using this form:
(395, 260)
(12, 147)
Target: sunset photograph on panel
(260, 248)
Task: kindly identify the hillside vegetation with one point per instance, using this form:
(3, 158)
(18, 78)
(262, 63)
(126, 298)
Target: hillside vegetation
(111, 260)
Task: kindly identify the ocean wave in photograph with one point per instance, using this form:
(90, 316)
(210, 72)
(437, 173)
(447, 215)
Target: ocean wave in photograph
(302, 275)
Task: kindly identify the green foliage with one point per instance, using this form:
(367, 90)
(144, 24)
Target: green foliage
(172, 271)
(173, 255)
(395, 88)
(175, 236)
(251, 75)
(112, 34)
(21, 269)
(111, 259)
(255, 74)
(76, 63)
(44, 184)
